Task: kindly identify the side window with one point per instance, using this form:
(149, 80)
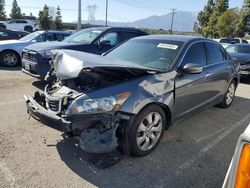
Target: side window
(113, 38)
(39, 38)
(214, 53)
(49, 37)
(195, 55)
(129, 35)
(60, 37)
(244, 41)
(3, 34)
(21, 22)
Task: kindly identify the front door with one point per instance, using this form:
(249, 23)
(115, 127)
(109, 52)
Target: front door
(191, 89)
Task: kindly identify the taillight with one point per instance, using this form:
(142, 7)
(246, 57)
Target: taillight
(243, 171)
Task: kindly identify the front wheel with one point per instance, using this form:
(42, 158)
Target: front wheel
(9, 58)
(229, 96)
(147, 130)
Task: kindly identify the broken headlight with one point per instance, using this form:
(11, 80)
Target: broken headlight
(98, 105)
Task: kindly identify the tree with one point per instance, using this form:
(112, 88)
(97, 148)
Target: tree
(226, 23)
(218, 9)
(58, 19)
(244, 20)
(204, 16)
(16, 11)
(45, 21)
(2, 10)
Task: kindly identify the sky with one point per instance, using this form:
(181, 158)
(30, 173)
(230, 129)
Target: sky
(119, 10)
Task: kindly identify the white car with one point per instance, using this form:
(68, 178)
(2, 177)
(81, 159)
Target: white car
(238, 175)
(20, 25)
(225, 42)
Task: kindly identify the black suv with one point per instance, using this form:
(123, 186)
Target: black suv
(96, 40)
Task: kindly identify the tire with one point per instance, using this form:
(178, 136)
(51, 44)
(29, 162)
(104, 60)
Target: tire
(9, 58)
(229, 96)
(28, 29)
(142, 132)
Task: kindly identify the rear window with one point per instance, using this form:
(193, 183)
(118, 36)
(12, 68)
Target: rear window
(215, 53)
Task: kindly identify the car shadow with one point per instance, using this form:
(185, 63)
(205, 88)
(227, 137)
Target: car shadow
(173, 162)
(40, 84)
(18, 68)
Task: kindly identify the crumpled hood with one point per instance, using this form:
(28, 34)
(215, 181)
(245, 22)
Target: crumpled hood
(68, 63)
(244, 58)
(44, 46)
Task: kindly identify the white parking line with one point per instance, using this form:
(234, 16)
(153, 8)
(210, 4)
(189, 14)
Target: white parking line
(12, 102)
(209, 146)
(211, 135)
(8, 175)
(179, 170)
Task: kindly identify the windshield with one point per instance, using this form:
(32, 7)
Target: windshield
(238, 49)
(31, 36)
(85, 35)
(155, 54)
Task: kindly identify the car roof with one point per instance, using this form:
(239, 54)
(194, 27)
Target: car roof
(117, 28)
(57, 31)
(182, 38)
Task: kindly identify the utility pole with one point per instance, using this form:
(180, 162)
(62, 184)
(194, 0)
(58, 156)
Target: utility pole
(79, 24)
(91, 10)
(172, 21)
(106, 20)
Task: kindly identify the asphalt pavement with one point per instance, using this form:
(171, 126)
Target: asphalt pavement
(194, 153)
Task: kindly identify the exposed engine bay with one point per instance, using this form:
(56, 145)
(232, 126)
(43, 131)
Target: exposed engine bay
(96, 132)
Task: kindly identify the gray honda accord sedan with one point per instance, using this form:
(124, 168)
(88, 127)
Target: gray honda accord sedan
(125, 99)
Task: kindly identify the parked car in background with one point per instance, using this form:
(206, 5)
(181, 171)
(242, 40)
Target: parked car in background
(238, 174)
(98, 40)
(9, 34)
(20, 25)
(225, 42)
(128, 97)
(11, 50)
(241, 52)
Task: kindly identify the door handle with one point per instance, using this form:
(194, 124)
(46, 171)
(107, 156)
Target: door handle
(208, 74)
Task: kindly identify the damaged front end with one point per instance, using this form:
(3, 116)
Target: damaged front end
(72, 103)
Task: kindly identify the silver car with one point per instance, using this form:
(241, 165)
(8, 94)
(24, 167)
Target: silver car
(126, 99)
(11, 50)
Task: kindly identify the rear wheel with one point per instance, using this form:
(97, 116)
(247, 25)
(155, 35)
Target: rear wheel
(147, 130)
(9, 59)
(229, 96)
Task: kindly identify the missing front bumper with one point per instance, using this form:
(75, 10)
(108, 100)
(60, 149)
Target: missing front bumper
(100, 133)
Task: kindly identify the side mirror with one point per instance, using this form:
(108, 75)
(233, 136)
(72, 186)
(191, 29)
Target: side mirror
(33, 41)
(104, 43)
(191, 68)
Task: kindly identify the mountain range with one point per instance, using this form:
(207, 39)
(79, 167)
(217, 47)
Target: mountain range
(183, 21)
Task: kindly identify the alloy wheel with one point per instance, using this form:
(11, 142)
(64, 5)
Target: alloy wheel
(10, 59)
(149, 131)
(230, 94)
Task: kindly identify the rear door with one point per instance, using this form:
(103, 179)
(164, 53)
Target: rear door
(217, 71)
(191, 89)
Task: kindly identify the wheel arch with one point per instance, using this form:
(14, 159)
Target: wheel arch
(237, 80)
(166, 110)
